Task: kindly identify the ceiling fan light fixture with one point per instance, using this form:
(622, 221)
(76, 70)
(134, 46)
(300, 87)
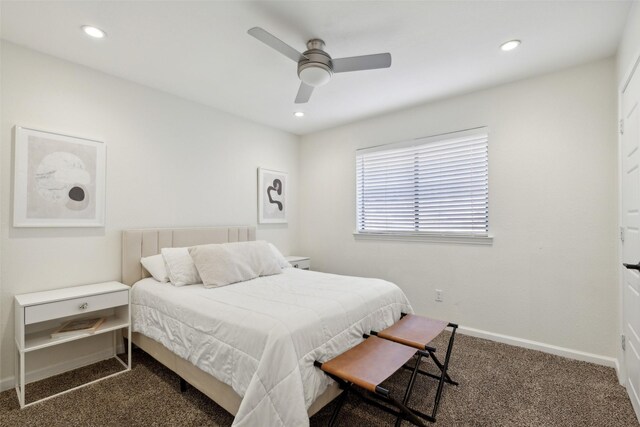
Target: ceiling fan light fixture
(94, 32)
(510, 45)
(315, 75)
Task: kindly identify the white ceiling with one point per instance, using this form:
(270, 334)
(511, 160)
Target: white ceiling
(200, 50)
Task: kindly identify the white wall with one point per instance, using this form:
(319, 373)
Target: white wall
(550, 275)
(170, 162)
(629, 47)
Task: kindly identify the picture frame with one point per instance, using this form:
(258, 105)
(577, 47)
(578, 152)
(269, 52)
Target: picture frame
(272, 196)
(59, 180)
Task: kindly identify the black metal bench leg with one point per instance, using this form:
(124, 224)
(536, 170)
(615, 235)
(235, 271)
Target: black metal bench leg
(444, 375)
(341, 401)
(406, 412)
(440, 366)
(407, 393)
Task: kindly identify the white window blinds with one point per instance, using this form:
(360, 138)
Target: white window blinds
(431, 186)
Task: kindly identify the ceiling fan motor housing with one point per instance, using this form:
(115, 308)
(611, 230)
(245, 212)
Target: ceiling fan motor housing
(315, 69)
(315, 66)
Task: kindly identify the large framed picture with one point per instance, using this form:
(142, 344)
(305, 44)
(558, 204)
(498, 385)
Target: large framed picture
(59, 180)
(272, 196)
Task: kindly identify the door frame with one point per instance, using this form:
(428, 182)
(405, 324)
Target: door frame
(632, 68)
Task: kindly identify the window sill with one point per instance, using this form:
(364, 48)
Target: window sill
(427, 238)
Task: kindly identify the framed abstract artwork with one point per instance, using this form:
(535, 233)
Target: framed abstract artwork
(272, 196)
(59, 180)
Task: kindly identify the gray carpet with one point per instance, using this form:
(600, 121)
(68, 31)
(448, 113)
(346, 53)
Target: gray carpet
(500, 385)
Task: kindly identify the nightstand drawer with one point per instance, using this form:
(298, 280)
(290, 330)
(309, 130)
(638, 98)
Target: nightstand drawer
(69, 307)
(301, 262)
(304, 264)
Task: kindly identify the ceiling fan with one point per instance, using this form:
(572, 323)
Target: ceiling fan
(315, 66)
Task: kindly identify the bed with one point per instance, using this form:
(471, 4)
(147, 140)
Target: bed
(250, 346)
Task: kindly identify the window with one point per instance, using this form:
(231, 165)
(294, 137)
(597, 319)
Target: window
(429, 187)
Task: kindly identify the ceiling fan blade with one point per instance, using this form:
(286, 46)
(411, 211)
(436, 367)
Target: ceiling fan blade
(275, 43)
(304, 93)
(358, 63)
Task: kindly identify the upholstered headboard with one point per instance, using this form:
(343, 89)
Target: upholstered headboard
(146, 242)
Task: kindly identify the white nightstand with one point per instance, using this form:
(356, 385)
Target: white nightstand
(38, 314)
(301, 262)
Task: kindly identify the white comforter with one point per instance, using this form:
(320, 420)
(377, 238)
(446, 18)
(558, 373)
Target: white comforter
(262, 336)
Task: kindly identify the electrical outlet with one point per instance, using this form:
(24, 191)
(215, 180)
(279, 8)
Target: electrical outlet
(439, 295)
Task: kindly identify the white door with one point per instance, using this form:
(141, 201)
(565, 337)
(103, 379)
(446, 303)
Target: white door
(630, 164)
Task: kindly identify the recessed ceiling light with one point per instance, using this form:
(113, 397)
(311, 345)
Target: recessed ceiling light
(93, 31)
(510, 45)
(298, 114)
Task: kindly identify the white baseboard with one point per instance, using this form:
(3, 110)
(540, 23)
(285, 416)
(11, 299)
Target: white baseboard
(546, 348)
(67, 365)
(619, 373)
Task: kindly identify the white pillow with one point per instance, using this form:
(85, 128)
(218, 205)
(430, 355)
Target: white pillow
(282, 261)
(182, 271)
(227, 263)
(156, 267)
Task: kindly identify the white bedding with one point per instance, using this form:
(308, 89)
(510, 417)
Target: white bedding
(262, 336)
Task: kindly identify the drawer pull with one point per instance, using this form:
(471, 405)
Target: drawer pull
(84, 306)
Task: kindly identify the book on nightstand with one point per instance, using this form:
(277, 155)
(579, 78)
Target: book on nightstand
(78, 326)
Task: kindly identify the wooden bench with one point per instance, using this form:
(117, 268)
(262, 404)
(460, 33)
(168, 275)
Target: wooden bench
(366, 366)
(418, 332)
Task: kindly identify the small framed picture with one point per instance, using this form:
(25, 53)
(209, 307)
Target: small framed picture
(59, 180)
(272, 196)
